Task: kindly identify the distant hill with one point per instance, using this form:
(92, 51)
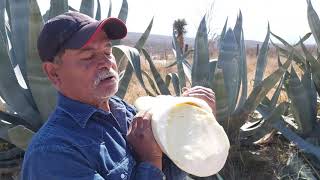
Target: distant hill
(162, 43)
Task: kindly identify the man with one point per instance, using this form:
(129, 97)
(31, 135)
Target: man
(92, 134)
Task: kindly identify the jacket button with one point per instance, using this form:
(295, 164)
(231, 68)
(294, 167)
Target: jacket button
(122, 176)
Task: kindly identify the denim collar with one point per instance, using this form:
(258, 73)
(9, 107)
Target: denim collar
(79, 111)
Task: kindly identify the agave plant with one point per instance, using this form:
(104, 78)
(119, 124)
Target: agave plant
(28, 95)
(225, 76)
(301, 125)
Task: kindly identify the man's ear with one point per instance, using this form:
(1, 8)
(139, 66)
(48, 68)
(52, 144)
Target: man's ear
(51, 70)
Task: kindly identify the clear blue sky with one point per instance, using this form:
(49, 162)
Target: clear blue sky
(288, 18)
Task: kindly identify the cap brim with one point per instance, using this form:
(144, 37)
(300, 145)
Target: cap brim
(113, 27)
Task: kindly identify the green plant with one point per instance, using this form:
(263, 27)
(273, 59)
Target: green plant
(224, 75)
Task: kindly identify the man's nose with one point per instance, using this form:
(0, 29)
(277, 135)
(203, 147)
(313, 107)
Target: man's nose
(105, 61)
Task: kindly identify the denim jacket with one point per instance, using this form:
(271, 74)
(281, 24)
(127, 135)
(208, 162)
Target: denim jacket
(81, 142)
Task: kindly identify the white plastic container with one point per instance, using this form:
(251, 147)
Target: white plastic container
(187, 132)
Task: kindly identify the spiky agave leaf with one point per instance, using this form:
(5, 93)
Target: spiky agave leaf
(200, 66)
(179, 59)
(123, 14)
(13, 93)
(314, 23)
(156, 75)
(238, 31)
(124, 83)
(57, 7)
(229, 61)
(87, 7)
(174, 78)
(258, 94)
(296, 139)
(151, 82)
(219, 88)
(262, 60)
(290, 51)
(302, 112)
(133, 57)
(98, 13)
(315, 67)
(110, 8)
(42, 89)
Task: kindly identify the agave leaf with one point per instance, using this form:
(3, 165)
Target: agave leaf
(2, 22)
(260, 91)
(151, 82)
(276, 94)
(315, 67)
(133, 57)
(58, 7)
(144, 36)
(123, 14)
(19, 13)
(20, 136)
(15, 120)
(72, 9)
(212, 69)
(173, 77)
(224, 30)
(10, 154)
(311, 91)
(303, 39)
(279, 60)
(200, 66)
(87, 7)
(187, 69)
(124, 81)
(243, 71)
(42, 90)
(270, 116)
(182, 78)
(237, 30)
(262, 60)
(290, 51)
(8, 12)
(221, 96)
(188, 53)
(13, 93)
(10, 165)
(110, 8)
(314, 23)
(229, 62)
(156, 75)
(172, 64)
(129, 70)
(301, 111)
(293, 137)
(298, 168)
(98, 13)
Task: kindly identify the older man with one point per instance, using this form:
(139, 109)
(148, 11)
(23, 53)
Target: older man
(92, 134)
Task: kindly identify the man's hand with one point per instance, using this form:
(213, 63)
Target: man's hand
(203, 93)
(141, 138)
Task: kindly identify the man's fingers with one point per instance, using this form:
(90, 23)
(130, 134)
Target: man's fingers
(201, 91)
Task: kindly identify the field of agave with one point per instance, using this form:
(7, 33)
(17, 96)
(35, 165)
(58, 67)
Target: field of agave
(247, 118)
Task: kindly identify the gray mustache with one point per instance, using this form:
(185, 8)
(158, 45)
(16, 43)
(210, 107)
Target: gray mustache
(104, 75)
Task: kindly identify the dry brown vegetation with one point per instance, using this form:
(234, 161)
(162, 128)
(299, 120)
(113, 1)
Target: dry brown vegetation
(135, 90)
